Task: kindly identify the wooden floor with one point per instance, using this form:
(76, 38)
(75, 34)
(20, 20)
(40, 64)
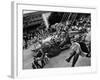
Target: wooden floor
(58, 61)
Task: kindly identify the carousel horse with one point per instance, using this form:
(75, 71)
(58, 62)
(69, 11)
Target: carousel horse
(57, 47)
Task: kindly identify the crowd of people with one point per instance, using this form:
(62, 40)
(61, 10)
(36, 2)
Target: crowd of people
(77, 34)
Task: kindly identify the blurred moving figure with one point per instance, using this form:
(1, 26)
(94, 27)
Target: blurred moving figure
(76, 51)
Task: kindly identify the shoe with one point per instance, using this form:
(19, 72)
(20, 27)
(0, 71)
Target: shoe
(88, 55)
(68, 60)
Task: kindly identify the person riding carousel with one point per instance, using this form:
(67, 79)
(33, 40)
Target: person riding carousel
(76, 51)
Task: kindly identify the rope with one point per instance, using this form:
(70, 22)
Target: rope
(62, 17)
(74, 18)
